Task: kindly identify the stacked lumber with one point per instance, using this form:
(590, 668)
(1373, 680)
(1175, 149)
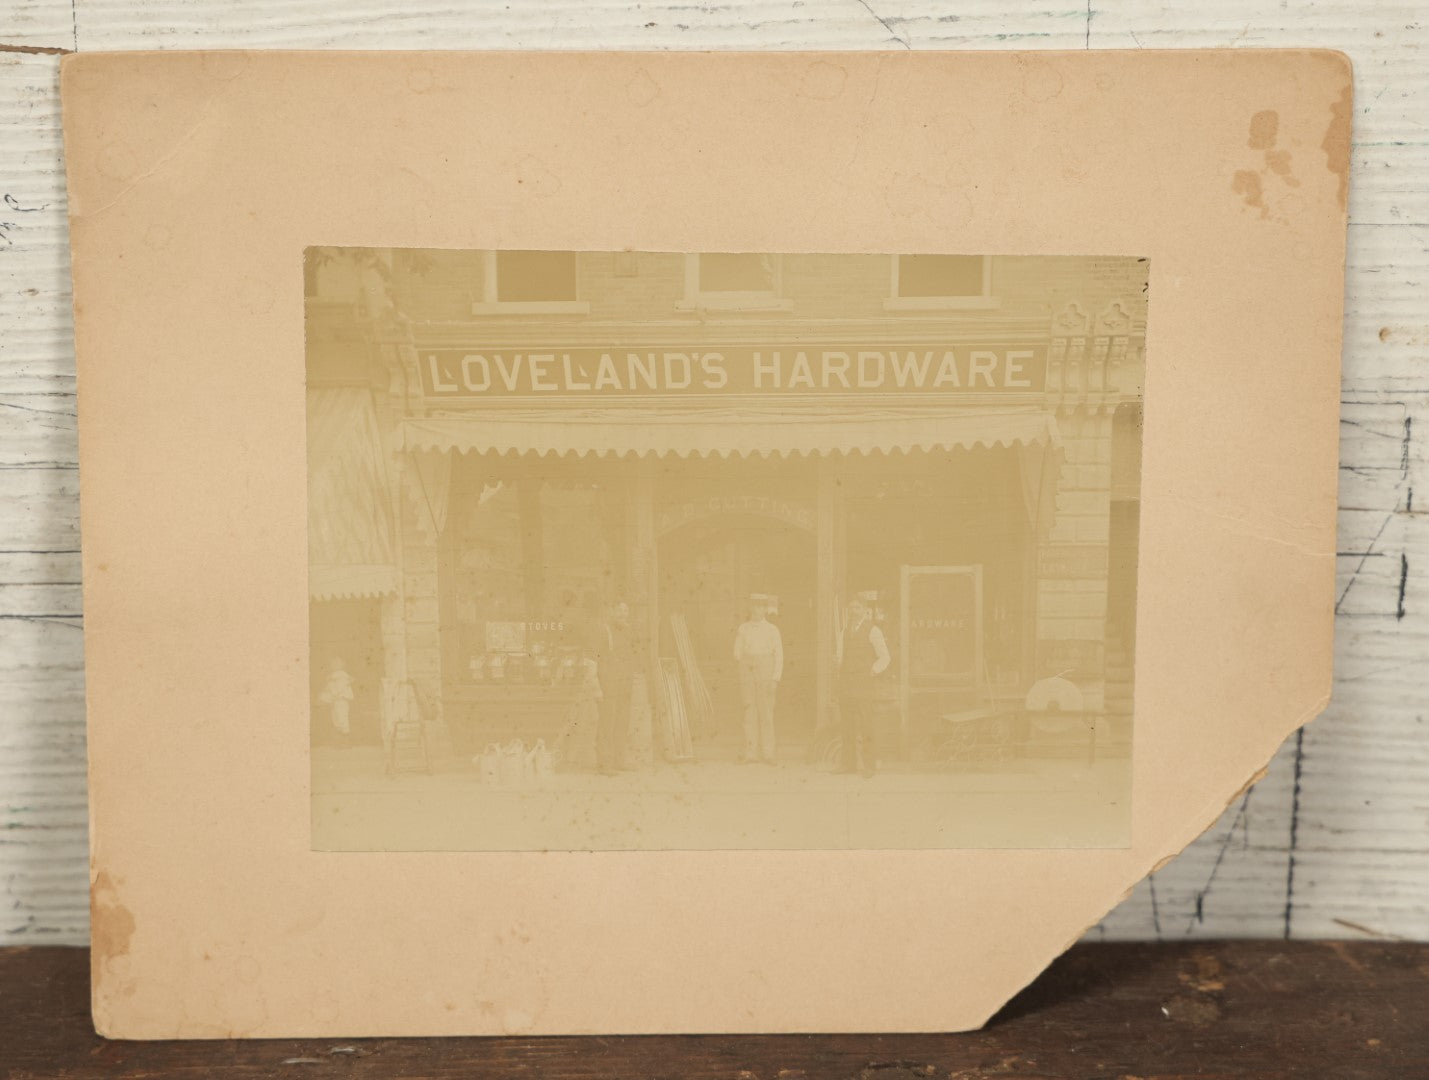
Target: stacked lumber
(675, 725)
(698, 700)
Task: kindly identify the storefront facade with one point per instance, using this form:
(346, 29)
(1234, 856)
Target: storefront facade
(545, 432)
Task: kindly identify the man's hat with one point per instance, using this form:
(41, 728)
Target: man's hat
(868, 596)
(758, 598)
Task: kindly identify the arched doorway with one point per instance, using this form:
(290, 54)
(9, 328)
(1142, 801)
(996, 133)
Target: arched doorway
(709, 565)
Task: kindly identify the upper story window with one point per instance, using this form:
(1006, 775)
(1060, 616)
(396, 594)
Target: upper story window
(932, 282)
(530, 283)
(734, 281)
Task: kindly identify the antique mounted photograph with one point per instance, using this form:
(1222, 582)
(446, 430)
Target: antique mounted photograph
(660, 575)
(722, 550)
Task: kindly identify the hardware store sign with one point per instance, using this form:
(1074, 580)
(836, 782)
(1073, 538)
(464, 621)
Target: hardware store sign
(906, 371)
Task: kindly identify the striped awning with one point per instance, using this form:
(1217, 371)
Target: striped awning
(728, 432)
(350, 519)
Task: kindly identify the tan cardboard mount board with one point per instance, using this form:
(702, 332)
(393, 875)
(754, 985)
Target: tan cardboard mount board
(197, 180)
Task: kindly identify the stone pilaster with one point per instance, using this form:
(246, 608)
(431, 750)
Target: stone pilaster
(1072, 559)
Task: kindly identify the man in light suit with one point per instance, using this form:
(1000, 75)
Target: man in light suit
(759, 651)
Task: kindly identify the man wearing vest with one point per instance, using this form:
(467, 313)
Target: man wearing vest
(759, 652)
(863, 656)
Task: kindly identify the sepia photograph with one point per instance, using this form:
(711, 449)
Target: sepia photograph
(722, 550)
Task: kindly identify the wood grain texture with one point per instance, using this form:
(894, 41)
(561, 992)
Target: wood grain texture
(1271, 1010)
(1333, 842)
(43, 857)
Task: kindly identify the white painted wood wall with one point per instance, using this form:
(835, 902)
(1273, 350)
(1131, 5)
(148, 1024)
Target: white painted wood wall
(1334, 842)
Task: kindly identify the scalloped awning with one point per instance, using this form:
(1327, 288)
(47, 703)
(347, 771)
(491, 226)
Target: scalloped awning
(725, 432)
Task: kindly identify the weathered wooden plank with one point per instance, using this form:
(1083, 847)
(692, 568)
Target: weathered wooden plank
(48, 600)
(38, 24)
(43, 817)
(24, 568)
(1347, 792)
(36, 345)
(569, 24)
(43, 856)
(39, 510)
(44, 863)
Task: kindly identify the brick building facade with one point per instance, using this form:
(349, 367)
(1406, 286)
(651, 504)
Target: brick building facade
(1045, 446)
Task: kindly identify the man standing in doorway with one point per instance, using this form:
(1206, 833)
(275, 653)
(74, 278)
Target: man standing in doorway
(614, 671)
(863, 656)
(759, 652)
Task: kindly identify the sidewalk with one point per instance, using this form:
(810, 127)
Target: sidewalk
(705, 805)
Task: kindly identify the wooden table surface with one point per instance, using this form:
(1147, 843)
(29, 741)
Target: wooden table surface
(1269, 1010)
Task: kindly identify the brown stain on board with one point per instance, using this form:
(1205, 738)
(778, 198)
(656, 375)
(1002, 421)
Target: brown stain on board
(1336, 143)
(1246, 183)
(111, 925)
(1264, 127)
(1250, 184)
(1279, 162)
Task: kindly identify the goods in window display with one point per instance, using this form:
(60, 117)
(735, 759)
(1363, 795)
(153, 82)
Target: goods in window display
(515, 764)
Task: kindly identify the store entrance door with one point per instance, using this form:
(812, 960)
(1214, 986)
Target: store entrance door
(708, 569)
